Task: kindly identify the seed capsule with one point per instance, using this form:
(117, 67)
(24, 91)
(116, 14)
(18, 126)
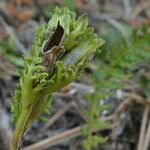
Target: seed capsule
(52, 49)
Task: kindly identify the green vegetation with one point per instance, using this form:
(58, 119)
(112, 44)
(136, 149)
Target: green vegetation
(8, 48)
(37, 82)
(93, 121)
(113, 65)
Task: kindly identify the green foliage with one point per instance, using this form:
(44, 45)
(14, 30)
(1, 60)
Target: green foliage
(8, 48)
(144, 83)
(32, 99)
(119, 59)
(139, 50)
(48, 10)
(114, 64)
(94, 123)
(69, 4)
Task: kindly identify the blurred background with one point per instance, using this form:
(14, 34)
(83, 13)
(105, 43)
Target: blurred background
(112, 97)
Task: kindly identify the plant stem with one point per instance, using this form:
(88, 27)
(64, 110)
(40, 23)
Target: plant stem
(21, 126)
(91, 121)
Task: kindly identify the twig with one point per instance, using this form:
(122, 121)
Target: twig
(143, 129)
(55, 139)
(130, 98)
(137, 98)
(11, 32)
(123, 106)
(57, 115)
(139, 8)
(60, 137)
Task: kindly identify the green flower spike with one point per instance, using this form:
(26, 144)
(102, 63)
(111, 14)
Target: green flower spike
(61, 51)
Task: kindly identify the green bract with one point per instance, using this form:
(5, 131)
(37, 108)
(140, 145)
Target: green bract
(79, 43)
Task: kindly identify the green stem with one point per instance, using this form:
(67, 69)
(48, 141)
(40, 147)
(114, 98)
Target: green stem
(90, 133)
(29, 113)
(21, 126)
(91, 121)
